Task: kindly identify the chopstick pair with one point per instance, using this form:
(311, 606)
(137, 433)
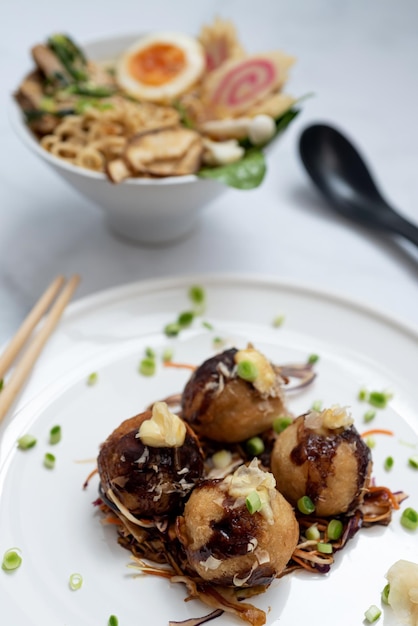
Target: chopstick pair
(60, 291)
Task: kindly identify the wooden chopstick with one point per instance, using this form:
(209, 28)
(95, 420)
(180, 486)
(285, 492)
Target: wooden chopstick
(26, 363)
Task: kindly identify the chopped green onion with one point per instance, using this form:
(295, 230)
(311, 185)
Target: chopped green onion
(247, 371)
(172, 330)
(372, 614)
(324, 548)
(388, 464)
(253, 502)
(369, 415)
(379, 399)
(413, 461)
(281, 423)
(26, 441)
(92, 379)
(207, 325)
(197, 294)
(221, 459)
(312, 533)
(150, 353)
(11, 560)
(147, 367)
(167, 355)
(313, 358)
(75, 581)
(1, 383)
(255, 446)
(409, 518)
(317, 405)
(335, 529)
(218, 343)
(55, 435)
(185, 319)
(370, 442)
(113, 621)
(363, 394)
(385, 594)
(278, 321)
(305, 505)
(49, 460)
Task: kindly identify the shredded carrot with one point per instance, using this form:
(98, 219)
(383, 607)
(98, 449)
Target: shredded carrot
(111, 519)
(186, 366)
(89, 477)
(392, 497)
(377, 431)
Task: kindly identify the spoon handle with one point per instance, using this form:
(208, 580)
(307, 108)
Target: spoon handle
(405, 228)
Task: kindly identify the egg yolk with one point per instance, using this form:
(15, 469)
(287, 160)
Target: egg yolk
(157, 64)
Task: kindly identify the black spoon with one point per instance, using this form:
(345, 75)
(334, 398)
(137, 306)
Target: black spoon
(339, 171)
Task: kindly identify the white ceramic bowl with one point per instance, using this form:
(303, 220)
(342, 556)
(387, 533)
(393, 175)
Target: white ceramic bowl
(143, 210)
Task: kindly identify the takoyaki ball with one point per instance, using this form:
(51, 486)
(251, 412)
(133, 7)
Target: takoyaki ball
(322, 456)
(226, 543)
(233, 396)
(150, 463)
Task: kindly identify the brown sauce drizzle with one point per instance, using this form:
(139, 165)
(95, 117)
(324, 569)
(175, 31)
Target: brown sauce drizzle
(196, 387)
(319, 451)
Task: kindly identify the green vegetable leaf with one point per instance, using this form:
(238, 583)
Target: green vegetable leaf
(247, 173)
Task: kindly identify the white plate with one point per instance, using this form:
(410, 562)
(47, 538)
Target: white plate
(48, 515)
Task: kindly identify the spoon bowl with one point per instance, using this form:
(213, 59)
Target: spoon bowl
(341, 174)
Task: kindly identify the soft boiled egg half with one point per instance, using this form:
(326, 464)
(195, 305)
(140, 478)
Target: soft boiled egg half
(161, 66)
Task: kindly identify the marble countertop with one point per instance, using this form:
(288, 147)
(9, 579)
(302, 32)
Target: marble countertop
(357, 59)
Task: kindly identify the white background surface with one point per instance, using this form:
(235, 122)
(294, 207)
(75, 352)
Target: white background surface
(358, 58)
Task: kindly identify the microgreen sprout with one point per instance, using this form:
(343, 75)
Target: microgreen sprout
(92, 379)
(26, 442)
(372, 614)
(75, 582)
(281, 423)
(305, 505)
(247, 370)
(12, 560)
(55, 435)
(253, 502)
(255, 446)
(49, 460)
(409, 518)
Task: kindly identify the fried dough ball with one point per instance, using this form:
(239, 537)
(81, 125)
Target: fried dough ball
(322, 456)
(222, 405)
(225, 543)
(150, 463)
